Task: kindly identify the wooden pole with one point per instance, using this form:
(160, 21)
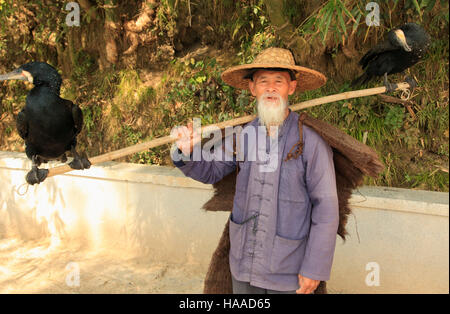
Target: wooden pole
(238, 121)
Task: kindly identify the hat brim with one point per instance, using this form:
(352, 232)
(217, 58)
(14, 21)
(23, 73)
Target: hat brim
(307, 79)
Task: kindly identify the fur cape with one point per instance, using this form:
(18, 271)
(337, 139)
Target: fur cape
(352, 160)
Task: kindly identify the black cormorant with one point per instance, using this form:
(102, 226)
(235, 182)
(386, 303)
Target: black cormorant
(403, 47)
(48, 124)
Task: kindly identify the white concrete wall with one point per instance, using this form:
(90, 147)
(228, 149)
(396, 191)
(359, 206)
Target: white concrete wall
(142, 210)
(403, 234)
(400, 235)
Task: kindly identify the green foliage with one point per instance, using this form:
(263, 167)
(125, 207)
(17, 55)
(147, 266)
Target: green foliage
(6, 7)
(131, 92)
(91, 116)
(332, 18)
(120, 108)
(420, 5)
(260, 41)
(340, 18)
(167, 15)
(83, 64)
(251, 16)
(394, 117)
(199, 91)
(8, 130)
(424, 180)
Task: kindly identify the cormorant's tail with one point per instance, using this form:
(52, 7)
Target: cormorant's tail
(363, 79)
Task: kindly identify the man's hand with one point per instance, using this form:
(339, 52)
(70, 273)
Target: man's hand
(307, 286)
(186, 137)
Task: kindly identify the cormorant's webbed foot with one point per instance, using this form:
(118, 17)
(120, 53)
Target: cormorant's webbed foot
(36, 175)
(79, 162)
(412, 82)
(390, 87)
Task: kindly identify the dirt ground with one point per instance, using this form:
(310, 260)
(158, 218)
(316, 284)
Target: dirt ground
(43, 267)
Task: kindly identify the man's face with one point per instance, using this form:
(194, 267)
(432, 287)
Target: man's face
(265, 81)
(272, 89)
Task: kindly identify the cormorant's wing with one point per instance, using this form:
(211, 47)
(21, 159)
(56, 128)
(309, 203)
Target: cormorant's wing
(22, 124)
(384, 46)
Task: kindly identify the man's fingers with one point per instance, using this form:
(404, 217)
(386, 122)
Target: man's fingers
(305, 290)
(186, 133)
(185, 137)
(183, 134)
(307, 286)
(302, 290)
(301, 283)
(177, 132)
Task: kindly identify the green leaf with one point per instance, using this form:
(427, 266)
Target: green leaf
(238, 26)
(355, 25)
(327, 26)
(416, 4)
(324, 16)
(349, 14)
(394, 117)
(430, 5)
(342, 24)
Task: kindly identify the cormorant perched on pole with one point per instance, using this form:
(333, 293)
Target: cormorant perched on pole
(403, 47)
(48, 124)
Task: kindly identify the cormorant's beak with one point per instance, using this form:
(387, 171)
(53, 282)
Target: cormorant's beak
(17, 74)
(401, 39)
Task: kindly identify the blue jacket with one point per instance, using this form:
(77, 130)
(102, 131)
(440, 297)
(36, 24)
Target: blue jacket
(285, 213)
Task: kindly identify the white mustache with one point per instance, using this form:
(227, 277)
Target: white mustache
(271, 95)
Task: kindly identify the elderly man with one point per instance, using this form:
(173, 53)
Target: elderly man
(285, 211)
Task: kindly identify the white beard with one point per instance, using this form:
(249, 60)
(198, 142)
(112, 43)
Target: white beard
(269, 113)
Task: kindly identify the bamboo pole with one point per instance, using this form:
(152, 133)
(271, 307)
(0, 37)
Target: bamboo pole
(238, 121)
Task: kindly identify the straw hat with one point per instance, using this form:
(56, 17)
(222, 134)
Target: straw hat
(307, 79)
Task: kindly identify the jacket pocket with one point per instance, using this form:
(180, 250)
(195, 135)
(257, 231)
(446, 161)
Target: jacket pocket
(287, 255)
(237, 237)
